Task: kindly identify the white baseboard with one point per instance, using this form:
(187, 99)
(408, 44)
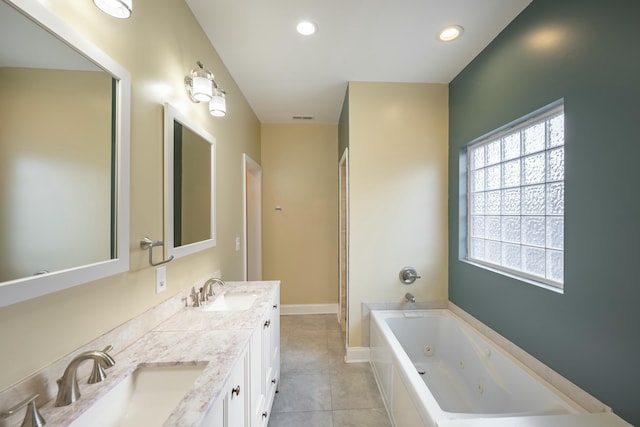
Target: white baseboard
(308, 309)
(357, 355)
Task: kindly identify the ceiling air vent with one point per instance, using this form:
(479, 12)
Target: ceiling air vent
(302, 117)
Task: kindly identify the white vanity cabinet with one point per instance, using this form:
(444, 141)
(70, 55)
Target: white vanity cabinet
(272, 352)
(215, 417)
(256, 392)
(265, 364)
(230, 409)
(237, 396)
(250, 389)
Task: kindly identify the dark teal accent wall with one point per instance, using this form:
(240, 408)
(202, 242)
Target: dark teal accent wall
(343, 126)
(587, 52)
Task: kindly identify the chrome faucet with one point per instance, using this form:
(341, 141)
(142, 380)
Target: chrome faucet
(32, 417)
(68, 391)
(409, 297)
(97, 373)
(209, 284)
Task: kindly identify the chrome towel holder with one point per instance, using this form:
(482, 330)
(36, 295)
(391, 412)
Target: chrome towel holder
(147, 243)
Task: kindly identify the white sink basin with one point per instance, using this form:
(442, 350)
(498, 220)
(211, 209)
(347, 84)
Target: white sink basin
(145, 398)
(231, 301)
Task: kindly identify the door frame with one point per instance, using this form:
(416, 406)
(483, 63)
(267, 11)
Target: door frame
(252, 241)
(343, 250)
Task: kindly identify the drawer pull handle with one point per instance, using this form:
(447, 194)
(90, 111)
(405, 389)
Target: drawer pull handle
(236, 391)
(267, 323)
(264, 414)
(275, 306)
(273, 381)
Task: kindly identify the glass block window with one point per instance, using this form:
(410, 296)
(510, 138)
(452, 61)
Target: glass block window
(515, 218)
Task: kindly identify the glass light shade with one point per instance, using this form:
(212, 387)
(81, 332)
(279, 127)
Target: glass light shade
(218, 104)
(116, 8)
(201, 89)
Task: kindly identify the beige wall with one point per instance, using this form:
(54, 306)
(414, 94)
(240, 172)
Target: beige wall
(158, 45)
(300, 242)
(398, 137)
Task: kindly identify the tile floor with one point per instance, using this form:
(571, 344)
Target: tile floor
(317, 389)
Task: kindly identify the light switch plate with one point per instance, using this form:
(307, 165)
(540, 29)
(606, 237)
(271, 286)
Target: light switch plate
(237, 244)
(161, 279)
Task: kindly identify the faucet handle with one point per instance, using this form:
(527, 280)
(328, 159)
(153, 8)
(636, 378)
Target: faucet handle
(32, 417)
(97, 374)
(408, 275)
(196, 297)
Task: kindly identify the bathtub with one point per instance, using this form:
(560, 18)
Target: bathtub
(431, 367)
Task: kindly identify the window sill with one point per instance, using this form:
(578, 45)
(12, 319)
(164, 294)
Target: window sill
(515, 277)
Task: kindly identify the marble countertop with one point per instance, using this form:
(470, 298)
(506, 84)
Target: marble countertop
(191, 336)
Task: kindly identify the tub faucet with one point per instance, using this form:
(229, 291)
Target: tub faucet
(68, 391)
(409, 296)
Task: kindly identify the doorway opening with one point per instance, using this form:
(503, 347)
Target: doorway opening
(252, 189)
(343, 291)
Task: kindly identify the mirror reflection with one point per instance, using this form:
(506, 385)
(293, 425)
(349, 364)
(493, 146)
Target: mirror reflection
(64, 122)
(190, 165)
(191, 186)
(56, 156)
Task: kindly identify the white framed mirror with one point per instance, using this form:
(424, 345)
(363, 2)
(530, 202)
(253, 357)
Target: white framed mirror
(64, 150)
(190, 164)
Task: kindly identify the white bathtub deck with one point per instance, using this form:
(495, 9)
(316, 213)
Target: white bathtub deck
(572, 420)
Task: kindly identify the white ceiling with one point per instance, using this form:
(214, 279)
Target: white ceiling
(283, 74)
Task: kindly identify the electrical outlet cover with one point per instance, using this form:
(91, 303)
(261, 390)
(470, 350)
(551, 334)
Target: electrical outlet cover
(161, 279)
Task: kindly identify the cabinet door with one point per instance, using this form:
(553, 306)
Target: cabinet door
(274, 349)
(266, 353)
(271, 337)
(256, 389)
(237, 395)
(215, 417)
(275, 339)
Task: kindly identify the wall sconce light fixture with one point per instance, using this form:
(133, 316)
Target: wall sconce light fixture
(199, 84)
(115, 8)
(218, 104)
(203, 88)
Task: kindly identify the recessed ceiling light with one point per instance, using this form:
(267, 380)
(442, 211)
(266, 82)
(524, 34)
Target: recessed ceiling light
(450, 33)
(306, 28)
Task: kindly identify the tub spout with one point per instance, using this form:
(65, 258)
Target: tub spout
(409, 297)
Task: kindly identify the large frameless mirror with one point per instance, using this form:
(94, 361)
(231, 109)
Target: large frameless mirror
(190, 154)
(64, 156)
